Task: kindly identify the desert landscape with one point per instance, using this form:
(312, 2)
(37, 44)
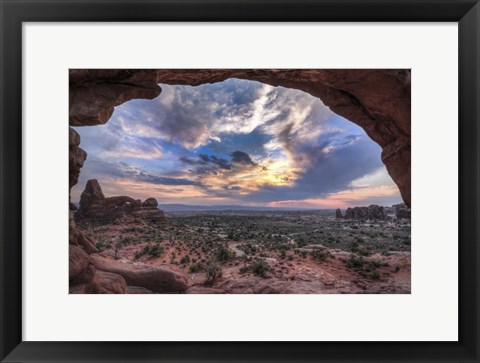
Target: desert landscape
(254, 210)
(247, 251)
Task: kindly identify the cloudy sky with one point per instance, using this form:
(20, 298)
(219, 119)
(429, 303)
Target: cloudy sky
(235, 142)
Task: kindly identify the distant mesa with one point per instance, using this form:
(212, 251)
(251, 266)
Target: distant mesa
(375, 212)
(95, 206)
(402, 211)
(371, 212)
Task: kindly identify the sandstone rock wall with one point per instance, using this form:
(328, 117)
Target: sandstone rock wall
(371, 212)
(94, 206)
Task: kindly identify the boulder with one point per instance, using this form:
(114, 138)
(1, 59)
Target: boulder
(80, 238)
(150, 202)
(102, 283)
(86, 276)
(338, 214)
(154, 278)
(109, 283)
(78, 261)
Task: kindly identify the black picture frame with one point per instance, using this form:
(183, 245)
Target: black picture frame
(14, 12)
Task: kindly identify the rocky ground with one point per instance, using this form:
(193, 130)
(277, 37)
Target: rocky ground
(260, 252)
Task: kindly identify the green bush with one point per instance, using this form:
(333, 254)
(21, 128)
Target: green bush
(196, 267)
(223, 254)
(355, 262)
(103, 245)
(156, 250)
(153, 250)
(319, 254)
(260, 267)
(214, 271)
(366, 268)
(116, 249)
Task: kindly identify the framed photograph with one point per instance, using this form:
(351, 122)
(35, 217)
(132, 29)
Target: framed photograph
(240, 181)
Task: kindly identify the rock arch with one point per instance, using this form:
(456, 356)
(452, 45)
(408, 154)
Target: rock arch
(377, 100)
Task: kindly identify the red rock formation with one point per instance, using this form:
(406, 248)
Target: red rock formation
(102, 283)
(150, 202)
(97, 91)
(402, 211)
(80, 238)
(78, 262)
(371, 212)
(376, 100)
(95, 206)
(154, 278)
(77, 157)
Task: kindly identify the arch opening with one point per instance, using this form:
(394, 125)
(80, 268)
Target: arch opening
(376, 100)
(269, 138)
(236, 142)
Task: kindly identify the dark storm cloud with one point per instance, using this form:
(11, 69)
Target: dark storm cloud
(221, 163)
(192, 161)
(241, 158)
(97, 168)
(210, 164)
(154, 179)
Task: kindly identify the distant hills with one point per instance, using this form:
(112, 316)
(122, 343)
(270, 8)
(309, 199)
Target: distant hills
(220, 207)
(186, 207)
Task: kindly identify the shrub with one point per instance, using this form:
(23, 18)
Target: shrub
(116, 249)
(196, 267)
(213, 271)
(355, 262)
(156, 250)
(366, 268)
(152, 250)
(223, 254)
(319, 254)
(102, 245)
(260, 267)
